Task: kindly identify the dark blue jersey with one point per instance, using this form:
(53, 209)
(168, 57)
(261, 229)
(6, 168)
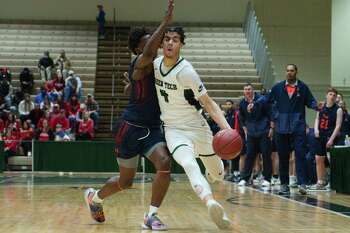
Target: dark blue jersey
(143, 108)
(327, 120)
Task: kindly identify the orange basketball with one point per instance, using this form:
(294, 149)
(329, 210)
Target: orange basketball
(227, 144)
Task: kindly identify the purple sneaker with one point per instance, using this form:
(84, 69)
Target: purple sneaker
(96, 209)
(153, 223)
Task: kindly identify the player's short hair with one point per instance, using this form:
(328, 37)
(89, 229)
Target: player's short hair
(178, 30)
(247, 84)
(135, 38)
(332, 89)
(294, 65)
(229, 101)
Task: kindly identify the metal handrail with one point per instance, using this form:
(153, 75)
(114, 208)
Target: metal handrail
(259, 48)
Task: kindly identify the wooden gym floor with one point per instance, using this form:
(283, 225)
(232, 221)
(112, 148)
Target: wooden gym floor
(53, 203)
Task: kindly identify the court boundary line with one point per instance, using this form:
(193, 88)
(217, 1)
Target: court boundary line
(295, 201)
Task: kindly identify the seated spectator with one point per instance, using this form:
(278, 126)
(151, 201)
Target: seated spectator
(4, 107)
(26, 80)
(62, 120)
(72, 109)
(5, 90)
(72, 86)
(63, 64)
(40, 97)
(2, 122)
(58, 84)
(5, 74)
(17, 97)
(36, 114)
(26, 135)
(81, 112)
(12, 121)
(345, 128)
(55, 111)
(60, 102)
(46, 117)
(44, 133)
(86, 128)
(93, 108)
(46, 105)
(45, 66)
(24, 107)
(10, 143)
(61, 134)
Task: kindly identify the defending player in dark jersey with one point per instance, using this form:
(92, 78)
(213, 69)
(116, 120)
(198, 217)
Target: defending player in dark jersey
(327, 131)
(139, 133)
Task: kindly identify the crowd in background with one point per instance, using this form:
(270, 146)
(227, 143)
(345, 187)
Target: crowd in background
(52, 111)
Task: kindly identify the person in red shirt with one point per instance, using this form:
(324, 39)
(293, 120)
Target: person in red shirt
(58, 84)
(86, 128)
(26, 135)
(44, 133)
(60, 119)
(72, 108)
(10, 143)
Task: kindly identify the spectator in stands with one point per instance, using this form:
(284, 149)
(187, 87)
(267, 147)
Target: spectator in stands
(61, 134)
(72, 86)
(59, 101)
(36, 114)
(12, 121)
(46, 105)
(10, 143)
(45, 66)
(5, 74)
(2, 123)
(39, 98)
(58, 84)
(24, 107)
(62, 120)
(26, 135)
(93, 108)
(4, 107)
(56, 111)
(63, 64)
(44, 133)
(46, 117)
(26, 80)
(101, 20)
(17, 97)
(5, 90)
(86, 128)
(72, 108)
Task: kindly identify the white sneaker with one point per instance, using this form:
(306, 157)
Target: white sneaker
(265, 185)
(242, 183)
(218, 215)
(275, 181)
(293, 182)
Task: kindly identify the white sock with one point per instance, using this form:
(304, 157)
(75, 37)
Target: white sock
(96, 199)
(152, 210)
(211, 201)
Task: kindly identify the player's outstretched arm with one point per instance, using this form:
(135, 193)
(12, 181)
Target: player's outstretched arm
(152, 45)
(214, 111)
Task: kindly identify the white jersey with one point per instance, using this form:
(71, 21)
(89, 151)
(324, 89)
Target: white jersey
(178, 89)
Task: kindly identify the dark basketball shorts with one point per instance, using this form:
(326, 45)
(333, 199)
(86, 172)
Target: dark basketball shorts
(133, 141)
(320, 145)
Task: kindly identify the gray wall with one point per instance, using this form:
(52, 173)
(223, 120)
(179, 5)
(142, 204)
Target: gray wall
(222, 11)
(341, 47)
(299, 32)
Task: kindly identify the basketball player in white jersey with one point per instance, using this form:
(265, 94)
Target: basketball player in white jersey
(181, 94)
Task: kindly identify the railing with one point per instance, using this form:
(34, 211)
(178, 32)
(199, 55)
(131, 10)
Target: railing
(259, 48)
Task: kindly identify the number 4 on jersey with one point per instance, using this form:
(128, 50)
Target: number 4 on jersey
(165, 95)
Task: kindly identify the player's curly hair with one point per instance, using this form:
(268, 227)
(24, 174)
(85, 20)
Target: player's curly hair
(135, 38)
(178, 30)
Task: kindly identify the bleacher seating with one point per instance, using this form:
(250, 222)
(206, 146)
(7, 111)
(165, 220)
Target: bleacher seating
(22, 45)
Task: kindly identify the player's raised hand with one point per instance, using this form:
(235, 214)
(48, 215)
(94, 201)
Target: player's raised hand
(169, 13)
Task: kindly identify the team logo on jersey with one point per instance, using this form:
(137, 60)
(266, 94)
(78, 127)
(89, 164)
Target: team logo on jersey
(200, 88)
